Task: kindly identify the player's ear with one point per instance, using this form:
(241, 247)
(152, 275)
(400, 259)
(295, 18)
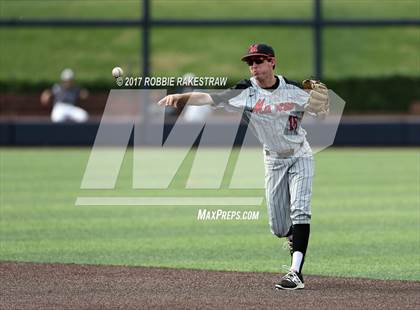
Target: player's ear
(273, 61)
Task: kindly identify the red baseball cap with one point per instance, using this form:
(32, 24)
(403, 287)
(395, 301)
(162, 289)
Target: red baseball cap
(259, 49)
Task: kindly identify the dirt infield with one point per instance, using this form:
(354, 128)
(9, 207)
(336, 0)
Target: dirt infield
(58, 286)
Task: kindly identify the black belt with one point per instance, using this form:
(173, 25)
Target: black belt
(286, 153)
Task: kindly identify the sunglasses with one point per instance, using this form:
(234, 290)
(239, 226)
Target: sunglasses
(258, 61)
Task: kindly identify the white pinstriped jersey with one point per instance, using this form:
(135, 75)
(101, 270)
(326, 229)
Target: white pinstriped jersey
(274, 115)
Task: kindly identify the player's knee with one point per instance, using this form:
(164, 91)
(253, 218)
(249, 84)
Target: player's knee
(278, 230)
(58, 117)
(80, 116)
(301, 218)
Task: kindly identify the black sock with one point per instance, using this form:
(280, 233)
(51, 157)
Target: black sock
(300, 240)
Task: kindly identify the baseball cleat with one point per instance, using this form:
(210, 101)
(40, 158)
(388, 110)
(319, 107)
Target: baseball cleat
(291, 281)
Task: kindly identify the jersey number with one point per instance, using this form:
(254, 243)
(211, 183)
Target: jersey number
(292, 126)
(293, 123)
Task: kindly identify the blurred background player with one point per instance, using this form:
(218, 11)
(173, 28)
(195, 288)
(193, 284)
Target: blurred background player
(64, 96)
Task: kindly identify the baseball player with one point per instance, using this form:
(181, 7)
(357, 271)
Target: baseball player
(64, 97)
(273, 107)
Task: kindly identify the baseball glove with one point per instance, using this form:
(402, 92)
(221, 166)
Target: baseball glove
(318, 102)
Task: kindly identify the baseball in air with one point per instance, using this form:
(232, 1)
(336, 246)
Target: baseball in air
(117, 72)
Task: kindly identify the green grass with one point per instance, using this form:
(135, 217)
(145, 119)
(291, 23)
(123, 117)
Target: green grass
(366, 218)
(34, 54)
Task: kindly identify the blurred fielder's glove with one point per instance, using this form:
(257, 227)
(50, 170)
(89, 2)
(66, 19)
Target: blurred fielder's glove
(318, 102)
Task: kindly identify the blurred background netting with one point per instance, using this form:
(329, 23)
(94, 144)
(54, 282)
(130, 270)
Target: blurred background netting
(33, 53)
(32, 57)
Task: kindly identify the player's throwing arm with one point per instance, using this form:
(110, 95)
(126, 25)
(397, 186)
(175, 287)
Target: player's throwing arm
(180, 100)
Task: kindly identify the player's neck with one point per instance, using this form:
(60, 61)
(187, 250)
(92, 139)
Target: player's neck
(268, 82)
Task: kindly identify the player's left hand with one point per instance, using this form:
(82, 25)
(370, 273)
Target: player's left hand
(318, 102)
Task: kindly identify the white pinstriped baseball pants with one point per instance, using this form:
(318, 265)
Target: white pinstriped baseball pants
(288, 185)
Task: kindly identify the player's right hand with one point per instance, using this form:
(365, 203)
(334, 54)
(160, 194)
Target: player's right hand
(171, 100)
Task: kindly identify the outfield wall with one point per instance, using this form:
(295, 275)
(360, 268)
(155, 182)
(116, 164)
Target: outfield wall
(351, 132)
